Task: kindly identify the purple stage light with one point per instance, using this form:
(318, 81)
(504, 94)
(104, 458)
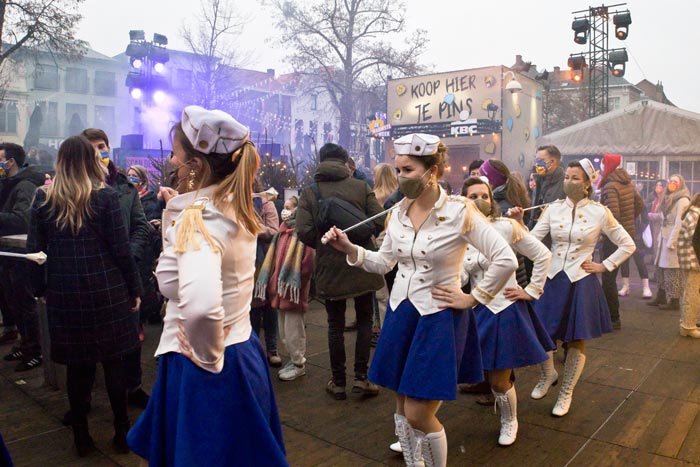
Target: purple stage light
(136, 93)
(158, 97)
(137, 63)
(159, 68)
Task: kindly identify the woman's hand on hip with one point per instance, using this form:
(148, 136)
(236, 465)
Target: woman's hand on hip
(451, 296)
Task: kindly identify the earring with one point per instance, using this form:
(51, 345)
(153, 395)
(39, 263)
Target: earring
(191, 179)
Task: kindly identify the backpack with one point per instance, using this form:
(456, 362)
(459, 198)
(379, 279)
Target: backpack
(334, 211)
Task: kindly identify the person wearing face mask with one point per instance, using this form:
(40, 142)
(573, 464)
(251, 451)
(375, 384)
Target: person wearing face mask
(549, 180)
(152, 208)
(429, 342)
(140, 234)
(675, 202)
(285, 280)
(213, 401)
(18, 182)
(573, 307)
(510, 331)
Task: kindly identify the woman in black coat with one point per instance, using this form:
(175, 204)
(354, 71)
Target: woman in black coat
(90, 282)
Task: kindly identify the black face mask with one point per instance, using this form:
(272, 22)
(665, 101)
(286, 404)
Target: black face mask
(171, 178)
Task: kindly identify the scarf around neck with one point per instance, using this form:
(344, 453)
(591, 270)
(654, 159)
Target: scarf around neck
(289, 278)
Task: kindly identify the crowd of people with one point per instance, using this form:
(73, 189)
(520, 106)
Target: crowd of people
(455, 291)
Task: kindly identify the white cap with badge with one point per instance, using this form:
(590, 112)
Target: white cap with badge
(213, 131)
(416, 144)
(590, 170)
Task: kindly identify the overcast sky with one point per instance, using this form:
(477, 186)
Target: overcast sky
(463, 34)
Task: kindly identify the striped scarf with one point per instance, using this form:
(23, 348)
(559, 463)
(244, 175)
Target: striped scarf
(289, 279)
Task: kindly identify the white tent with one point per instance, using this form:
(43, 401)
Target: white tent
(644, 128)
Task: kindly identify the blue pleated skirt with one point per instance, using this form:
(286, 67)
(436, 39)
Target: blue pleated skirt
(5, 459)
(425, 357)
(574, 311)
(513, 338)
(197, 418)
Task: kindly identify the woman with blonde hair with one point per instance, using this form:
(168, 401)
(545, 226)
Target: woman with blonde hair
(91, 283)
(674, 203)
(212, 402)
(385, 181)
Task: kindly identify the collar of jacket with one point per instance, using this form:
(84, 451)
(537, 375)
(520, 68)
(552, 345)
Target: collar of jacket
(405, 203)
(331, 171)
(180, 202)
(580, 204)
(555, 177)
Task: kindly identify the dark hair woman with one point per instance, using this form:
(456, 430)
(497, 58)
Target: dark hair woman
(212, 402)
(573, 307)
(92, 284)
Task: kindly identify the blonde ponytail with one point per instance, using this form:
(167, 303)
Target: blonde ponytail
(236, 189)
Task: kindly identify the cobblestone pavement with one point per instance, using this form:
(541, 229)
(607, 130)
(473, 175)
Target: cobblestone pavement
(637, 403)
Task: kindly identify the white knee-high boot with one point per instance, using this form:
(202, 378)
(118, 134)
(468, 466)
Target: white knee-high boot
(410, 445)
(573, 368)
(548, 377)
(507, 403)
(434, 448)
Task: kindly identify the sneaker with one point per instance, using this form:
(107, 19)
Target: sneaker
(365, 387)
(138, 398)
(26, 365)
(274, 359)
(14, 356)
(8, 337)
(291, 372)
(338, 392)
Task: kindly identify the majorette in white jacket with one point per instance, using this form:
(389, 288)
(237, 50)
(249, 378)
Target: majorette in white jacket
(575, 231)
(206, 289)
(475, 265)
(433, 255)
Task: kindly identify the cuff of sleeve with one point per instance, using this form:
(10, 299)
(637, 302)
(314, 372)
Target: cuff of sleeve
(533, 291)
(212, 367)
(361, 253)
(482, 296)
(609, 265)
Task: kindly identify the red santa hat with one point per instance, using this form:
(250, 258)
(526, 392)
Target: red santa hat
(610, 163)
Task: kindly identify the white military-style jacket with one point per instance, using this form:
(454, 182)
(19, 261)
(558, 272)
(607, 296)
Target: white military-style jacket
(475, 265)
(207, 288)
(575, 230)
(433, 254)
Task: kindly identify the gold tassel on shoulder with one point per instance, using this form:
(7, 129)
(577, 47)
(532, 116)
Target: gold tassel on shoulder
(470, 211)
(192, 222)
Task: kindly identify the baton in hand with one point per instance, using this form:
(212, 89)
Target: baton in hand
(38, 258)
(324, 240)
(538, 206)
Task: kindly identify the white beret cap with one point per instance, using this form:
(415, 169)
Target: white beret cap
(589, 169)
(416, 144)
(213, 131)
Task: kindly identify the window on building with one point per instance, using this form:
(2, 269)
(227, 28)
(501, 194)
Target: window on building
(46, 77)
(105, 83)
(313, 129)
(104, 119)
(613, 103)
(690, 170)
(644, 175)
(49, 120)
(314, 101)
(77, 80)
(8, 117)
(76, 119)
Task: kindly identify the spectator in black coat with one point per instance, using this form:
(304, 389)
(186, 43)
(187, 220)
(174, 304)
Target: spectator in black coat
(140, 232)
(19, 305)
(92, 285)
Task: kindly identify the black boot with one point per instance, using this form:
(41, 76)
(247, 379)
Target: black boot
(672, 304)
(82, 440)
(660, 298)
(119, 440)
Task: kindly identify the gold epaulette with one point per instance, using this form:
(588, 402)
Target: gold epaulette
(519, 230)
(470, 210)
(192, 222)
